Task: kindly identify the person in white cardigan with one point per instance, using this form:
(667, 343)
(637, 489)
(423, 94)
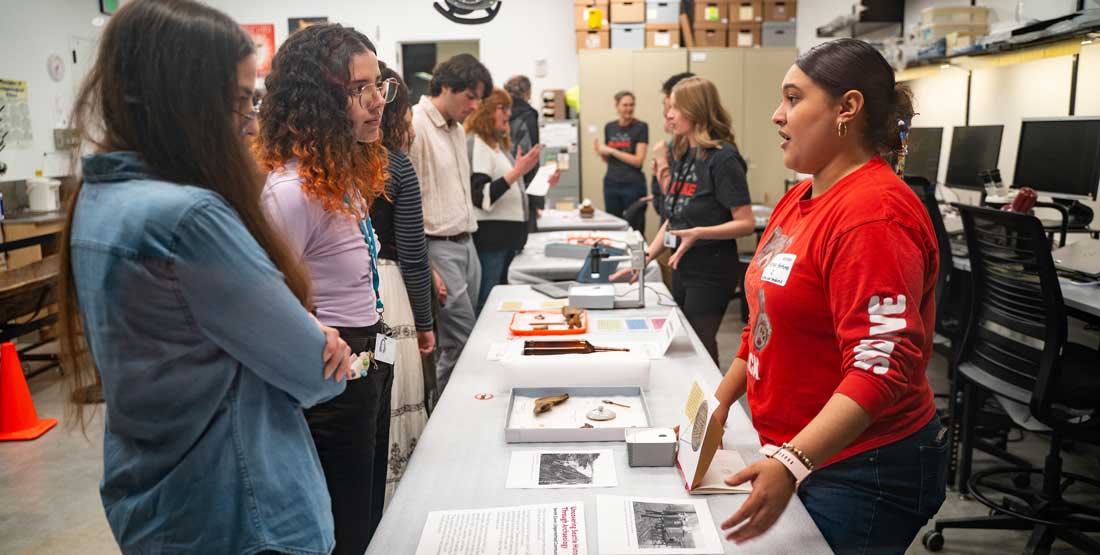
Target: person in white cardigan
(497, 190)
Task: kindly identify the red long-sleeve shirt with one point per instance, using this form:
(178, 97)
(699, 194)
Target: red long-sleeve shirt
(841, 299)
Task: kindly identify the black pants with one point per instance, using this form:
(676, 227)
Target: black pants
(352, 432)
(702, 287)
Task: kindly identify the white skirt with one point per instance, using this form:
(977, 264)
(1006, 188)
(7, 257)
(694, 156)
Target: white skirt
(407, 414)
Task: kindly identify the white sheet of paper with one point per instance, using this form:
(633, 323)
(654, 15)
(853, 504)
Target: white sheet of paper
(540, 184)
(523, 530)
(659, 346)
(560, 135)
(593, 468)
(637, 525)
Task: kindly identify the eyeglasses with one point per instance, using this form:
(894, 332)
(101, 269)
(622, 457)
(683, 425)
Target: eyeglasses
(253, 112)
(387, 90)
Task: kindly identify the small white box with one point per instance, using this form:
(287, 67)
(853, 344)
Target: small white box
(651, 447)
(595, 296)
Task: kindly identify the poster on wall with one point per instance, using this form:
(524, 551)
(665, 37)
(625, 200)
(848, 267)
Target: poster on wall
(296, 23)
(15, 114)
(263, 37)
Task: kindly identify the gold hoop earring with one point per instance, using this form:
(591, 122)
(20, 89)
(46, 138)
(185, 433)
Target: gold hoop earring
(841, 129)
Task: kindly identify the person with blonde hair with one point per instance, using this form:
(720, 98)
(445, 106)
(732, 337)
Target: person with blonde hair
(497, 189)
(705, 210)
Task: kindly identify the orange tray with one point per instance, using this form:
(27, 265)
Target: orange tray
(523, 323)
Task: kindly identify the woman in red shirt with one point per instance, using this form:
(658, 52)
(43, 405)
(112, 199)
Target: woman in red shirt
(842, 311)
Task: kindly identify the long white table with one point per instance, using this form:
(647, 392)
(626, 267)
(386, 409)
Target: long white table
(532, 264)
(1085, 298)
(461, 461)
(566, 220)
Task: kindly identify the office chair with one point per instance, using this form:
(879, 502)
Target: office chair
(1015, 349)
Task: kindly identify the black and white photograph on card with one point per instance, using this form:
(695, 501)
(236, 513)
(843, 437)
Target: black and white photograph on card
(656, 526)
(665, 525)
(591, 468)
(567, 469)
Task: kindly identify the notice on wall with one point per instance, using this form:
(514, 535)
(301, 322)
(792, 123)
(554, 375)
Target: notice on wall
(524, 530)
(15, 114)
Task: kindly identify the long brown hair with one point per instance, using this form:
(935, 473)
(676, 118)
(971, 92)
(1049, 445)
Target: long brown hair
(483, 121)
(164, 85)
(304, 116)
(698, 99)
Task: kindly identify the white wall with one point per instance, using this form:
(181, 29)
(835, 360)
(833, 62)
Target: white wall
(523, 31)
(29, 33)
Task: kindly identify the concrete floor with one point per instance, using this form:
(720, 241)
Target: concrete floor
(51, 505)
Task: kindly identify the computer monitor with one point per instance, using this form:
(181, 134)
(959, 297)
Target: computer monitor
(1060, 157)
(924, 152)
(974, 149)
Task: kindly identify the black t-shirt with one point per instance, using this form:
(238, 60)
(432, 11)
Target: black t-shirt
(625, 139)
(703, 191)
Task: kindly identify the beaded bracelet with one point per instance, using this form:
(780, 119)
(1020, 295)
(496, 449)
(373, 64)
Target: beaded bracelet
(801, 456)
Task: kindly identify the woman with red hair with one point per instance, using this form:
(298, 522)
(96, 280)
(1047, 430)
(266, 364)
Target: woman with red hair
(319, 139)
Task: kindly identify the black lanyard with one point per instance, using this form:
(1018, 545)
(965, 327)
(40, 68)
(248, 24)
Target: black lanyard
(676, 187)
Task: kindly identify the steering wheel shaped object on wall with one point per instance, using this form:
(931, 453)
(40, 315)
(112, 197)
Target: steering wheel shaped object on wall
(456, 10)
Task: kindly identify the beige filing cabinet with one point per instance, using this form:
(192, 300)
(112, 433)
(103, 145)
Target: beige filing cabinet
(606, 72)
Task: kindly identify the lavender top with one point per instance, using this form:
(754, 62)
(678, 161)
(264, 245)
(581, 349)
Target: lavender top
(331, 245)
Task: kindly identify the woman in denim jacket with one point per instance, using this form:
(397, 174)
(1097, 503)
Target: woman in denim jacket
(176, 288)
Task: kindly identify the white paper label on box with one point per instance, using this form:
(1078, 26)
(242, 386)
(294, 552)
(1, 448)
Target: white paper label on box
(745, 13)
(662, 38)
(779, 269)
(698, 57)
(651, 13)
(744, 38)
(592, 40)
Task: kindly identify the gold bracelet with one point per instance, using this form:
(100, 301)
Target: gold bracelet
(798, 453)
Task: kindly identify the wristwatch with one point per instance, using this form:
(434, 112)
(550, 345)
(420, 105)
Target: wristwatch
(789, 460)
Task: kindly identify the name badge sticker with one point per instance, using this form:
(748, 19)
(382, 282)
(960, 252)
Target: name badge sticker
(779, 269)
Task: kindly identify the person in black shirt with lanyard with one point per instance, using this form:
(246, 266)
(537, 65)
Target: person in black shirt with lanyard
(625, 150)
(706, 208)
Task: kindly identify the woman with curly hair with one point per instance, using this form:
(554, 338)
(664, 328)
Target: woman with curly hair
(406, 280)
(319, 133)
(168, 271)
(497, 190)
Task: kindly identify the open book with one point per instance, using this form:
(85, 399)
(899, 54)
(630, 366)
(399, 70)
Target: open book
(703, 464)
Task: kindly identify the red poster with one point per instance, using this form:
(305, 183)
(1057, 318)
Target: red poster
(263, 36)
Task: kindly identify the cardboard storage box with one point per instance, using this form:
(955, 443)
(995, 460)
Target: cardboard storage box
(711, 14)
(582, 9)
(780, 10)
(710, 38)
(627, 11)
(593, 40)
(778, 33)
(746, 10)
(743, 35)
(662, 36)
(664, 12)
(954, 16)
(627, 35)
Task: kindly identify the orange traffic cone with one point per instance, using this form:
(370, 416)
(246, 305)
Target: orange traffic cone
(18, 419)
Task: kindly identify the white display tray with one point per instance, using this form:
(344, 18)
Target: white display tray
(563, 423)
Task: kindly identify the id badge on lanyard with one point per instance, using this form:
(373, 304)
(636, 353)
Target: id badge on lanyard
(677, 187)
(385, 346)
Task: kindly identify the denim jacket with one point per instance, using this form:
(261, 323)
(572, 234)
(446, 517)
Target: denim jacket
(207, 360)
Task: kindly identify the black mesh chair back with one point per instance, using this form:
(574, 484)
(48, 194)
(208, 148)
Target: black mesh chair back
(1017, 325)
(926, 192)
